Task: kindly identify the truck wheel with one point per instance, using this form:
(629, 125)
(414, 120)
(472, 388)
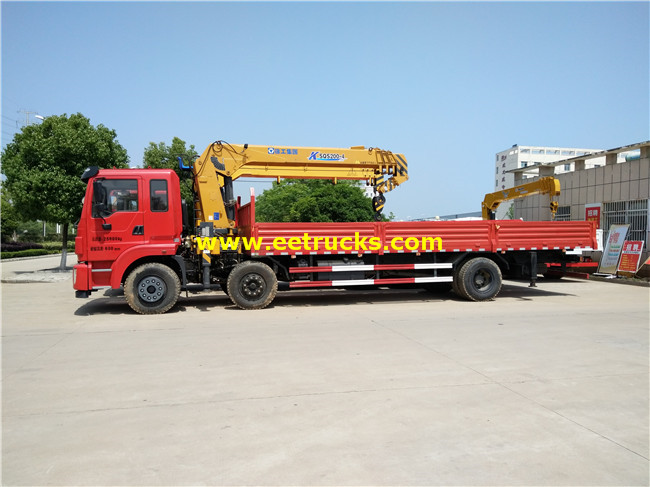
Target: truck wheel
(152, 288)
(479, 279)
(454, 284)
(252, 285)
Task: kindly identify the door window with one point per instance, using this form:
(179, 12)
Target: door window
(159, 201)
(113, 195)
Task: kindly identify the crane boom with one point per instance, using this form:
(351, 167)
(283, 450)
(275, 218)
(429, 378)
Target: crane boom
(492, 201)
(222, 163)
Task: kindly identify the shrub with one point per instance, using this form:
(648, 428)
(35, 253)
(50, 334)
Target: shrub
(26, 253)
(18, 246)
(59, 245)
(11, 250)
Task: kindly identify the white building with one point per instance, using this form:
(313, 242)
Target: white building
(617, 192)
(519, 156)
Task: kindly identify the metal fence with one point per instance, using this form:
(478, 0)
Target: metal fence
(563, 214)
(633, 212)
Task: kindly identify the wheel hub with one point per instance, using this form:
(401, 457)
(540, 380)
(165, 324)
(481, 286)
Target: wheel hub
(152, 289)
(252, 286)
(481, 279)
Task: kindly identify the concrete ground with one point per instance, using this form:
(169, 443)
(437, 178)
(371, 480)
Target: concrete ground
(545, 386)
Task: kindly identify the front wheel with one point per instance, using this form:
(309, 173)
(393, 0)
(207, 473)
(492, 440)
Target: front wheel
(252, 285)
(478, 279)
(152, 288)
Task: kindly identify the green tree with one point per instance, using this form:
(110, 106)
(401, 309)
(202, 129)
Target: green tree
(44, 162)
(162, 156)
(314, 200)
(9, 218)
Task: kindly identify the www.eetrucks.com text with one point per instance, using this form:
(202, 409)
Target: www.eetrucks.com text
(309, 243)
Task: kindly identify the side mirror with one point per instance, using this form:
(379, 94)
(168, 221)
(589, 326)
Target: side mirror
(99, 198)
(90, 172)
(98, 192)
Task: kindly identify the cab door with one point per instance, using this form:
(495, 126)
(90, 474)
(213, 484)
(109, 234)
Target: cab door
(159, 217)
(117, 220)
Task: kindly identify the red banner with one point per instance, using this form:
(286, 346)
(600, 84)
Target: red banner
(630, 256)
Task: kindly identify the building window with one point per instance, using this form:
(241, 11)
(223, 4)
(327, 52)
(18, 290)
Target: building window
(563, 214)
(553, 152)
(497, 170)
(633, 212)
(524, 163)
(538, 151)
(525, 151)
(568, 153)
(567, 167)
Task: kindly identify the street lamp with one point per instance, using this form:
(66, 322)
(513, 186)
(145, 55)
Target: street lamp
(40, 117)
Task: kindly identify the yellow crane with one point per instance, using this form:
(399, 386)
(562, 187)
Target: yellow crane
(221, 163)
(544, 185)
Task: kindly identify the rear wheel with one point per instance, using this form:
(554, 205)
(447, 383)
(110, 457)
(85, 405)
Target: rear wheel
(478, 279)
(152, 288)
(252, 285)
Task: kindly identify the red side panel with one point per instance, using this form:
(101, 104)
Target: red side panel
(413, 237)
(518, 235)
(319, 237)
(459, 236)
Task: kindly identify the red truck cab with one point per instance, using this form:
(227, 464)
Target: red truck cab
(133, 216)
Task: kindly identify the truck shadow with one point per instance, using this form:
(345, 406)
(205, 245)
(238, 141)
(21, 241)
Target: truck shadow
(523, 292)
(340, 297)
(114, 303)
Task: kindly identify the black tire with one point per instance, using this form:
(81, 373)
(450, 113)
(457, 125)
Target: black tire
(152, 288)
(479, 279)
(454, 283)
(252, 285)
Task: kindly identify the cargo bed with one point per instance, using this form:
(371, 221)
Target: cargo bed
(491, 236)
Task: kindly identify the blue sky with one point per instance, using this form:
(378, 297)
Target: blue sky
(446, 84)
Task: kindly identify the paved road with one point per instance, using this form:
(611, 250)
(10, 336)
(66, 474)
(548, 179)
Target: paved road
(545, 386)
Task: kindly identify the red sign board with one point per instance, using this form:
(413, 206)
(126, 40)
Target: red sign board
(592, 214)
(630, 256)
